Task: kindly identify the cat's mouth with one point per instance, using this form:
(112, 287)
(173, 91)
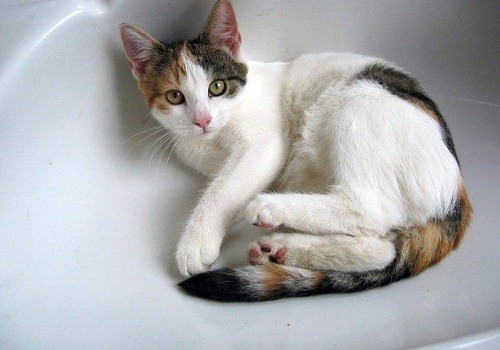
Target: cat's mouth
(204, 132)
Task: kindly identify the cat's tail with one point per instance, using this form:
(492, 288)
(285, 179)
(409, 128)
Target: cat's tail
(259, 283)
(417, 248)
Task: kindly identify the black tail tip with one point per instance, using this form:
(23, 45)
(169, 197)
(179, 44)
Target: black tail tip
(220, 285)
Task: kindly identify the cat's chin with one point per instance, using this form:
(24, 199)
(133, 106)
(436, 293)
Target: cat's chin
(205, 135)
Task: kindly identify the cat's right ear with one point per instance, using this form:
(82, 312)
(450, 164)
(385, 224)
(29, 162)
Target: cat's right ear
(139, 47)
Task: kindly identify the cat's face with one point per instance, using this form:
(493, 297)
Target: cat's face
(191, 87)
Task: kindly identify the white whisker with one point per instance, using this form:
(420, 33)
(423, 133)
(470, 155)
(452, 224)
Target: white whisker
(167, 145)
(159, 139)
(164, 139)
(144, 139)
(173, 147)
(130, 138)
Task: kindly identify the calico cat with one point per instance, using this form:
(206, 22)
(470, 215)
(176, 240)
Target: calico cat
(344, 158)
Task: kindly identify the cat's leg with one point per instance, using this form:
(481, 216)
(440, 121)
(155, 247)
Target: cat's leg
(317, 214)
(326, 252)
(224, 197)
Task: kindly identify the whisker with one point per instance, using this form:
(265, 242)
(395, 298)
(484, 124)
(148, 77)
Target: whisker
(167, 145)
(153, 144)
(130, 138)
(160, 144)
(182, 138)
(144, 139)
(168, 141)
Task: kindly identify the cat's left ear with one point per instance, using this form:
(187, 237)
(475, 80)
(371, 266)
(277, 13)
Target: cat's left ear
(221, 28)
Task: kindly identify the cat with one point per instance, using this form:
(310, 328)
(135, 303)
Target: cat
(343, 158)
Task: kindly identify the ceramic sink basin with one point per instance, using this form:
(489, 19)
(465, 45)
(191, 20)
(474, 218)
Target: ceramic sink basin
(91, 211)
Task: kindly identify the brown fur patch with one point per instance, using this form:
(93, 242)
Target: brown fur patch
(317, 278)
(162, 106)
(425, 246)
(177, 69)
(159, 101)
(275, 276)
(428, 246)
(156, 82)
(466, 214)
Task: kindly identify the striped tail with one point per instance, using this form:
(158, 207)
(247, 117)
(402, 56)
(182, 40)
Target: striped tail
(260, 283)
(417, 248)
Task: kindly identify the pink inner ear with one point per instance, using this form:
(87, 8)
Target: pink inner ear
(222, 27)
(135, 65)
(138, 48)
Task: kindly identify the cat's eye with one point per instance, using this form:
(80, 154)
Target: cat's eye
(175, 97)
(217, 88)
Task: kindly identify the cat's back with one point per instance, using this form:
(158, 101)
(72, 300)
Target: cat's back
(327, 66)
(308, 76)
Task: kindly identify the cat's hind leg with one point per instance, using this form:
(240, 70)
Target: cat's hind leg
(323, 252)
(320, 214)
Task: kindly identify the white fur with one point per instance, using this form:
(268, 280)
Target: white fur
(348, 157)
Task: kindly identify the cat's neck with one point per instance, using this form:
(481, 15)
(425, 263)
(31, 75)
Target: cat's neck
(259, 106)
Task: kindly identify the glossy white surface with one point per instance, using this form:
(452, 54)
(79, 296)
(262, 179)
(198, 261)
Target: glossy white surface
(89, 222)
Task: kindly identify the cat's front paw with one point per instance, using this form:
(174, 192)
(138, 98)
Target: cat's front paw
(196, 252)
(265, 211)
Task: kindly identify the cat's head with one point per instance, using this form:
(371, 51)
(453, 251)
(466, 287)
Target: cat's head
(190, 86)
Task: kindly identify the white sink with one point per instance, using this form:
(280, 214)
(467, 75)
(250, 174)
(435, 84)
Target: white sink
(90, 216)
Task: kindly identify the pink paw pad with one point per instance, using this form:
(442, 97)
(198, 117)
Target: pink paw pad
(263, 253)
(279, 256)
(254, 253)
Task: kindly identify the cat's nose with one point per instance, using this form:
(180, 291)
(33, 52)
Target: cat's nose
(202, 121)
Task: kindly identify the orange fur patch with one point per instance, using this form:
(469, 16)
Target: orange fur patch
(317, 278)
(427, 245)
(154, 85)
(177, 69)
(275, 276)
(162, 106)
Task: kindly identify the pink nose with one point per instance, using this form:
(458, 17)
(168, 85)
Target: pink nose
(202, 121)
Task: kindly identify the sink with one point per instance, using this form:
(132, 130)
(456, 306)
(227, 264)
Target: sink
(92, 204)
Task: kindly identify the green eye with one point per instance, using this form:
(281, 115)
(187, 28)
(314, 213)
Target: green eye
(217, 88)
(175, 97)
